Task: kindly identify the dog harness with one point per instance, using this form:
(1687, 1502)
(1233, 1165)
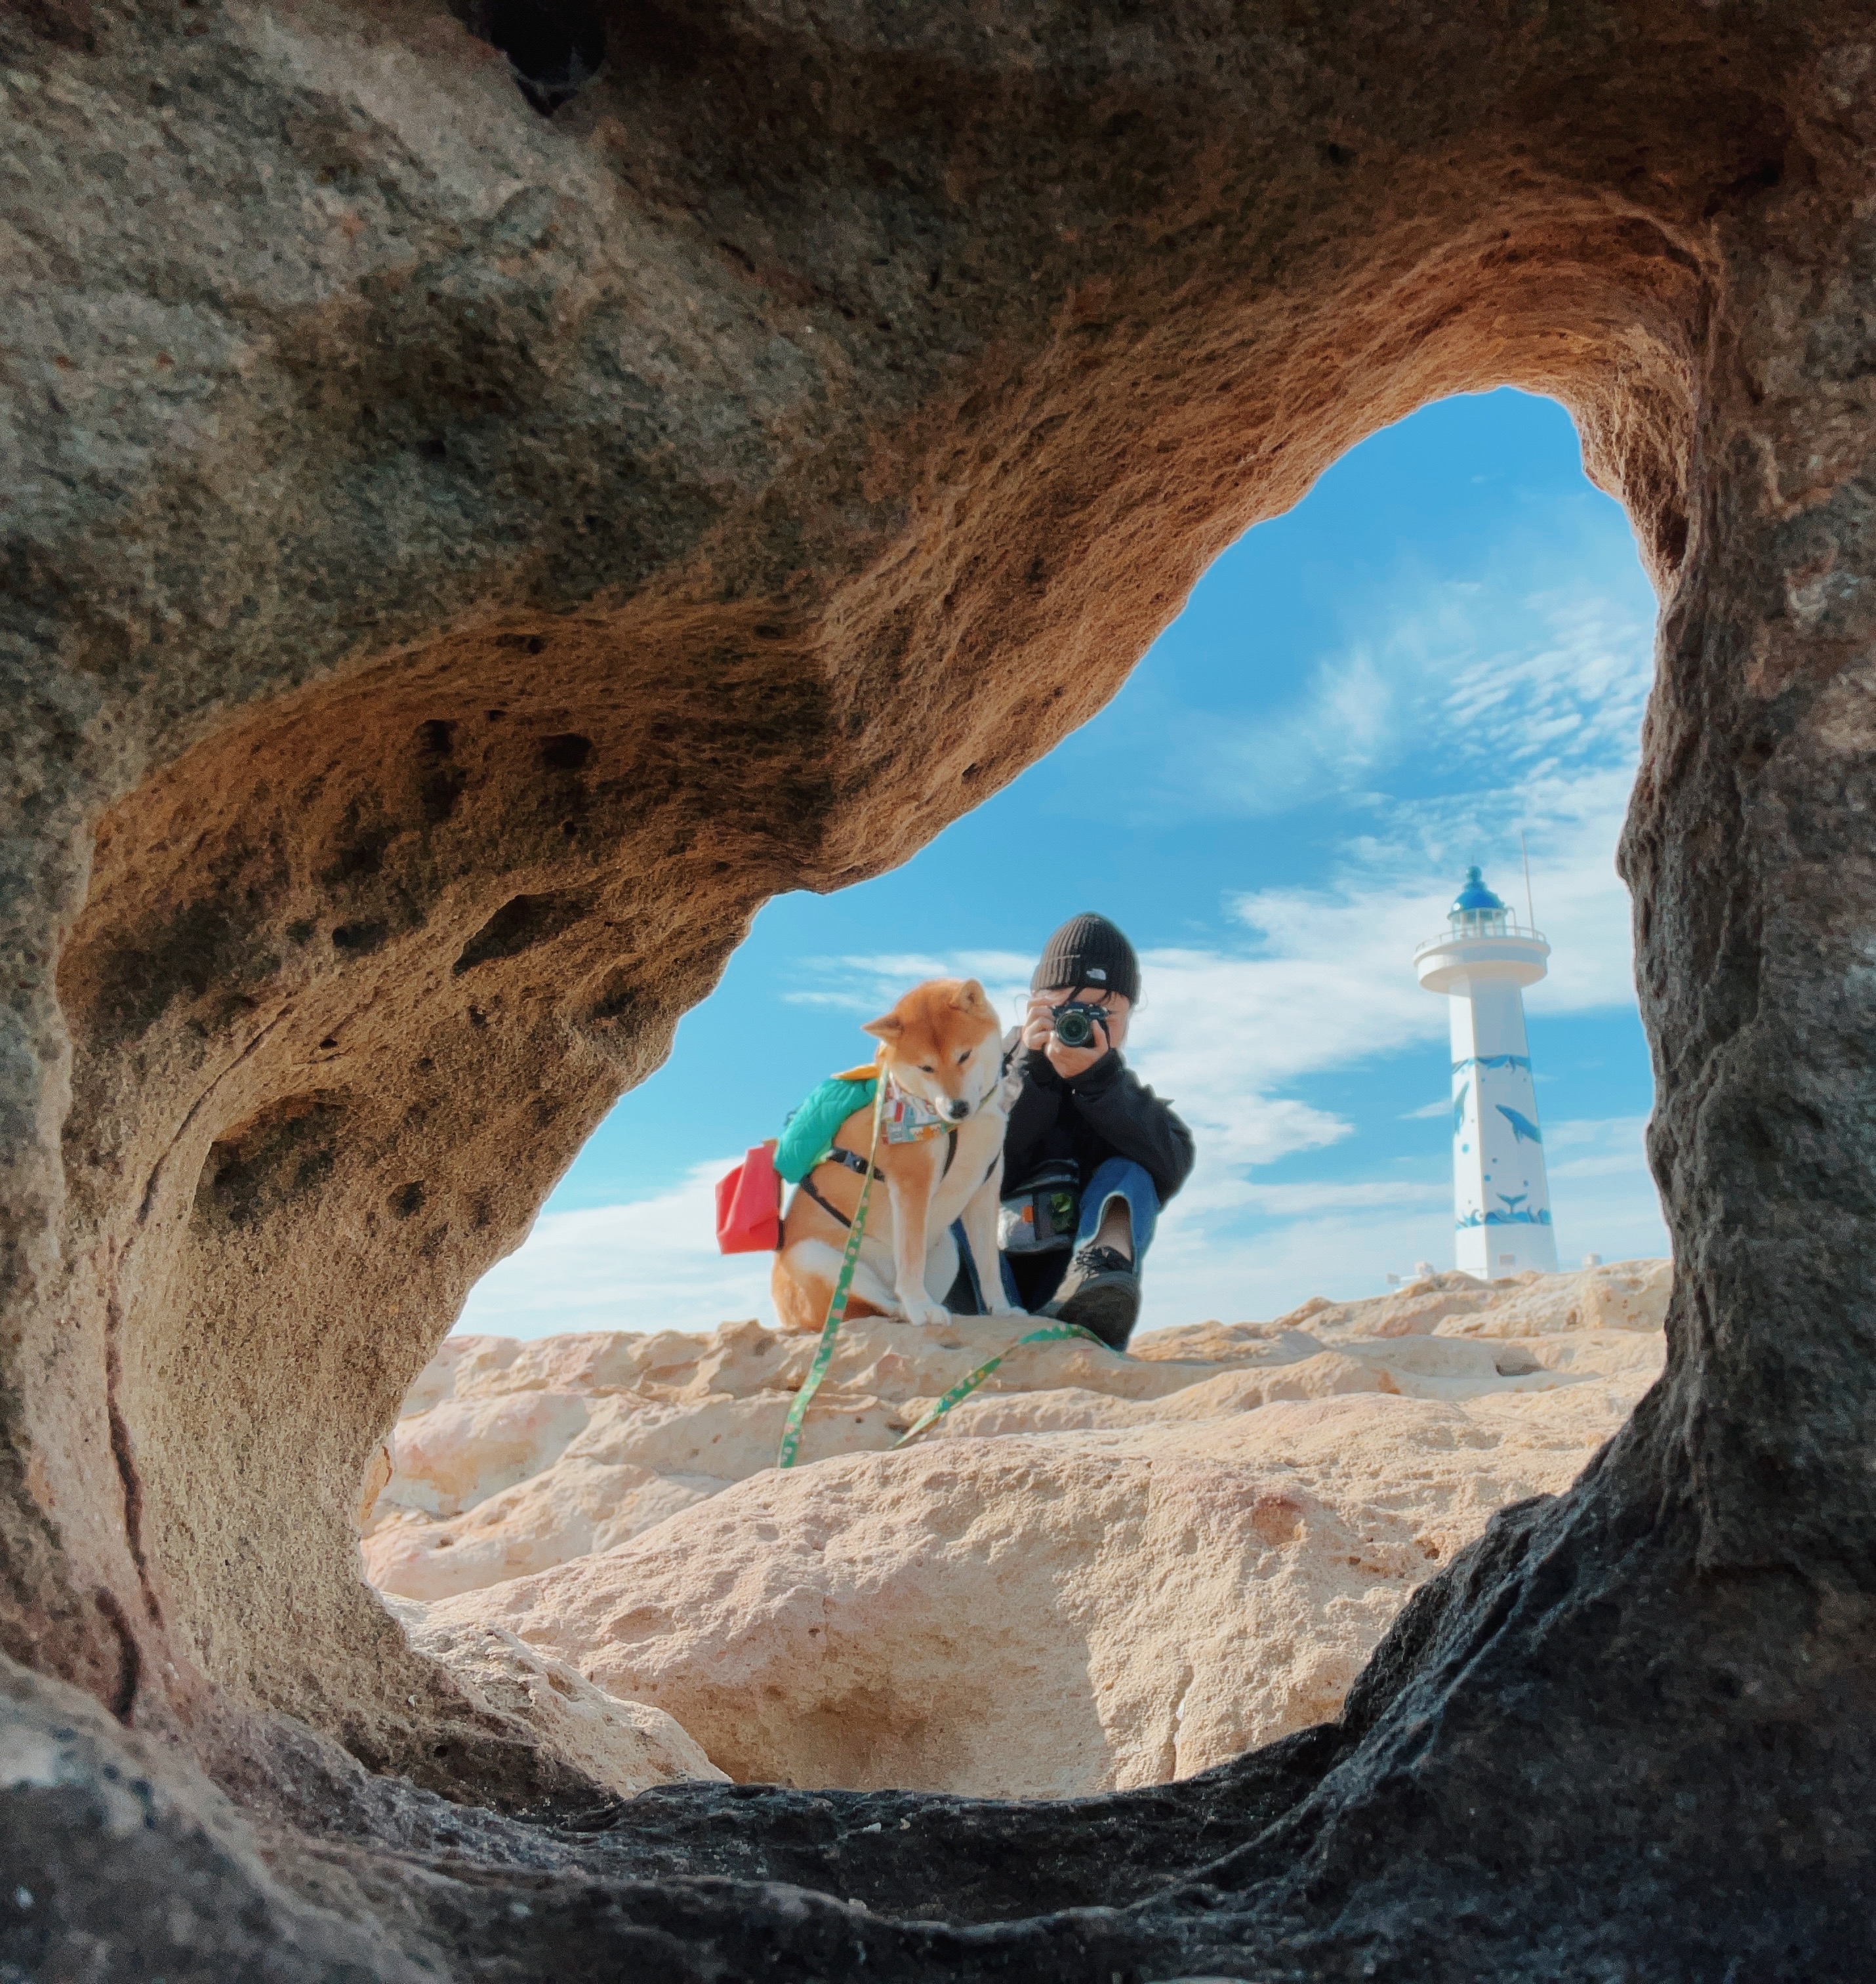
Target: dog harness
(854, 1162)
(839, 1154)
(904, 1118)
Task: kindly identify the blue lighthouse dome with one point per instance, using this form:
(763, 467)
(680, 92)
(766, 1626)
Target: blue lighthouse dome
(1474, 897)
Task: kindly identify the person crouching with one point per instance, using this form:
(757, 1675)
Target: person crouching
(1091, 1153)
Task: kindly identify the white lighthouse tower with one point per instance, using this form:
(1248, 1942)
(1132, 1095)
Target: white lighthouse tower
(1501, 1198)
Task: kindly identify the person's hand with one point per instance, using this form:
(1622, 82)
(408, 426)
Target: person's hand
(1039, 1023)
(1039, 1032)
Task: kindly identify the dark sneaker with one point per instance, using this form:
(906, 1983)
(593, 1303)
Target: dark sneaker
(1101, 1292)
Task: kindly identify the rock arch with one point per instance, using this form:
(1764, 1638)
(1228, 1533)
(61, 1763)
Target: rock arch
(461, 560)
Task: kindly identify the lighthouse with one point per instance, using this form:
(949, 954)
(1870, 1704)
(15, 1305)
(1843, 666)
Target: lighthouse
(1501, 1198)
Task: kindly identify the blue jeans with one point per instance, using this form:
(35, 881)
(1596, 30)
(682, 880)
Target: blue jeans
(1115, 1178)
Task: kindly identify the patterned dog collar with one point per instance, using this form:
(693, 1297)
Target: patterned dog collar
(908, 1119)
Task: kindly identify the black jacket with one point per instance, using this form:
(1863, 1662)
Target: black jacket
(1106, 1112)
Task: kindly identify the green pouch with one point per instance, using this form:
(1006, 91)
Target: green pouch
(809, 1132)
(1040, 1216)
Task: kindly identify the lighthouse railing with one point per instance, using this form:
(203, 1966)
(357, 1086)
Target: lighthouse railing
(1473, 924)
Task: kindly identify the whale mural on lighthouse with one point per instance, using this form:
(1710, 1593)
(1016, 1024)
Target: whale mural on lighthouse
(1501, 1194)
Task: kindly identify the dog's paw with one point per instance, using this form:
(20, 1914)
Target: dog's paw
(931, 1315)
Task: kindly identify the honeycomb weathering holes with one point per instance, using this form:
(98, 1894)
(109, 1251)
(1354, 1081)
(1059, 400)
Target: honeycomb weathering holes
(847, 331)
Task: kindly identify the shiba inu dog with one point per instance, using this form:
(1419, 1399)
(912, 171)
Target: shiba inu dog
(940, 1054)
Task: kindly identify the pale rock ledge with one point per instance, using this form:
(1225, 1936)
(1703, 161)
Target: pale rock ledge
(1099, 1573)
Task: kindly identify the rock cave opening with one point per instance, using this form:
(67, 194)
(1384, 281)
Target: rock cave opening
(1506, 644)
(819, 415)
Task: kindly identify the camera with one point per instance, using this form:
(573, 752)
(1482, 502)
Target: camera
(1074, 1022)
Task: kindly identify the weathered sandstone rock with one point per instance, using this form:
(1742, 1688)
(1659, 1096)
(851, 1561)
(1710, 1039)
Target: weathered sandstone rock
(1096, 1572)
(459, 561)
(620, 1746)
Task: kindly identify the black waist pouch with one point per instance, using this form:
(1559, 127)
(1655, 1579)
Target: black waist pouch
(1041, 1215)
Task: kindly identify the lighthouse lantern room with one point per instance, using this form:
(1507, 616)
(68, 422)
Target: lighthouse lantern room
(1501, 1196)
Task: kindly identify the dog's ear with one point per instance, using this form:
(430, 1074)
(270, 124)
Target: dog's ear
(888, 1027)
(970, 997)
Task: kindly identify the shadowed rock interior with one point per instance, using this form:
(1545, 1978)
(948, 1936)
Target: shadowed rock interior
(461, 560)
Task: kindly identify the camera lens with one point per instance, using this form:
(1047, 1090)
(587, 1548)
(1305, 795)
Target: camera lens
(1074, 1027)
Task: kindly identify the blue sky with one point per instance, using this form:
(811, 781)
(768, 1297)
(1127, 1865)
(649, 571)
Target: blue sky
(1448, 641)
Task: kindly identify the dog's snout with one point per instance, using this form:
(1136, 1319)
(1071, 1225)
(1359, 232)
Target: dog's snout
(960, 1110)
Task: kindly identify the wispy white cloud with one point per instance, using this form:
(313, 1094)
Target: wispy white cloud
(1291, 1201)
(870, 985)
(837, 1001)
(1321, 981)
(1345, 726)
(649, 1264)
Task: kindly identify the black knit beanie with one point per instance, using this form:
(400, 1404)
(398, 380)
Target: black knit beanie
(1088, 950)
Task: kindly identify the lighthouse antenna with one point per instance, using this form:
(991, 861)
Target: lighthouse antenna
(1530, 908)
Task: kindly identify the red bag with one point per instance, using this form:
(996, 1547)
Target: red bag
(749, 1204)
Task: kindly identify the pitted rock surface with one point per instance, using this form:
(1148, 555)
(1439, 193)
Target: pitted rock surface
(479, 519)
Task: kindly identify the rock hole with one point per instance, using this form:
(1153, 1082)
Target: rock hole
(361, 857)
(518, 925)
(441, 785)
(555, 48)
(566, 753)
(617, 1000)
(269, 1162)
(439, 792)
(360, 940)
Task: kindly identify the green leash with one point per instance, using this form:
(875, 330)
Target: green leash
(965, 1386)
(837, 1309)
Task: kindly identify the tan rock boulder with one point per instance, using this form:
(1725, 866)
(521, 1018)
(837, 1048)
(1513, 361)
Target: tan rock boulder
(461, 1451)
(517, 1457)
(511, 1457)
(1045, 1615)
(571, 1509)
(1096, 1572)
(1623, 1295)
(624, 1746)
